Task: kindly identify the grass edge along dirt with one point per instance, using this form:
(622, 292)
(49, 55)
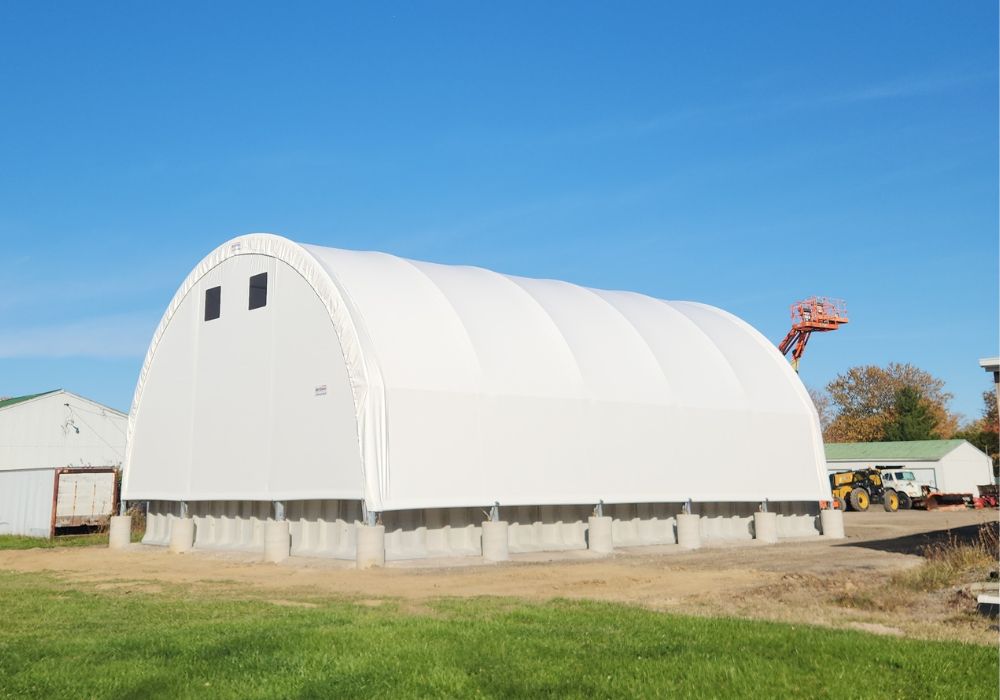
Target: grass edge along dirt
(72, 640)
(92, 539)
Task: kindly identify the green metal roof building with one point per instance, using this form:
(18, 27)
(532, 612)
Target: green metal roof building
(950, 466)
(4, 403)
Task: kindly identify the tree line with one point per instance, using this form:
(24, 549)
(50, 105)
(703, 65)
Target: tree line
(900, 402)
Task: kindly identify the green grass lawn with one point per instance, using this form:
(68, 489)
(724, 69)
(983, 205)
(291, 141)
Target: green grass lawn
(22, 542)
(87, 540)
(70, 640)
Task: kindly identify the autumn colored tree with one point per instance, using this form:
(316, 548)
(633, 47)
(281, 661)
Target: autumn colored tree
(863, 401)
(821, 401)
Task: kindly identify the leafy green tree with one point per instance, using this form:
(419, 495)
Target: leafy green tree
(911, 418)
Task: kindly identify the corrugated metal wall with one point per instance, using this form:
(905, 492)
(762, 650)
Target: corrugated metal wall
(26, 502)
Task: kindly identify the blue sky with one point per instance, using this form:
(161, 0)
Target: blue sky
(741, 154)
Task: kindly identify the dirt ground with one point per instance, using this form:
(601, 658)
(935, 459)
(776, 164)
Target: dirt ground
(811, 581)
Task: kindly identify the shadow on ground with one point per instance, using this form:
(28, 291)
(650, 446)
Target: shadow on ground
(916, 543)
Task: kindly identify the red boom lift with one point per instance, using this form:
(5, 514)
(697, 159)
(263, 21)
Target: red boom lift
(814, 315)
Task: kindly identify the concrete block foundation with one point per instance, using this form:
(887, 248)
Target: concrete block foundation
(329, 528)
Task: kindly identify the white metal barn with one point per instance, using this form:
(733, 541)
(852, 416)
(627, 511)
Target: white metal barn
(949, 466)
(339, 387)
(59, 458)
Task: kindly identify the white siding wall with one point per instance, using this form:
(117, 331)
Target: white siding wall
(965, 468)
(45, 433)
(26, 502)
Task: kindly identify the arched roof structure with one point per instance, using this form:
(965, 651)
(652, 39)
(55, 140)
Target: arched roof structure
(463, 387)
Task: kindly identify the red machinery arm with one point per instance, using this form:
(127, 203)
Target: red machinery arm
(816, 314)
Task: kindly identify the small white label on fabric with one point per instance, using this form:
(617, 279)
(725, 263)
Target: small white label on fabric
(321, 390)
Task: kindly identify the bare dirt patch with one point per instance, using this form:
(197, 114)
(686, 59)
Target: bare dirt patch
(129, 587)
(814, 581)
(293, 603)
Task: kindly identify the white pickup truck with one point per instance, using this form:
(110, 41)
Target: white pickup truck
(902, 481)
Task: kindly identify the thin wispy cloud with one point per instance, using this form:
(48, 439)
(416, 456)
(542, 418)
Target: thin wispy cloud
(640, 126)
(112, 336)
(772, 106)
(913, 86)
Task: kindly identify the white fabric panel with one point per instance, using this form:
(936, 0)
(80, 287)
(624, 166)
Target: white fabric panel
(679, 346)
(26, 502)
(469, 387)
(420, 341)
(233, 367)
(614, 362)
(159, 445)
(519, 351)
(535, 391)
(230, 406)
(61, 429)
(775, 398)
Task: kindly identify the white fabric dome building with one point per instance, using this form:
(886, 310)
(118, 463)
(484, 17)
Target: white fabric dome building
(347, 385)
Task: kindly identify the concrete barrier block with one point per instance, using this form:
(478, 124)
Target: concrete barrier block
(765, 527)
(181, 535)
(689, 530)
(832, 523)
(277, 541)
(120, 532)
(370, 546)
(495, 541)
(600, 534)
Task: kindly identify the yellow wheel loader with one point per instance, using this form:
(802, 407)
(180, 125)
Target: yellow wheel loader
(859, 488)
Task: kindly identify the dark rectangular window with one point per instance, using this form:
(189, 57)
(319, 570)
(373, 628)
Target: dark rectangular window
(213, 303)
(258, 291)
